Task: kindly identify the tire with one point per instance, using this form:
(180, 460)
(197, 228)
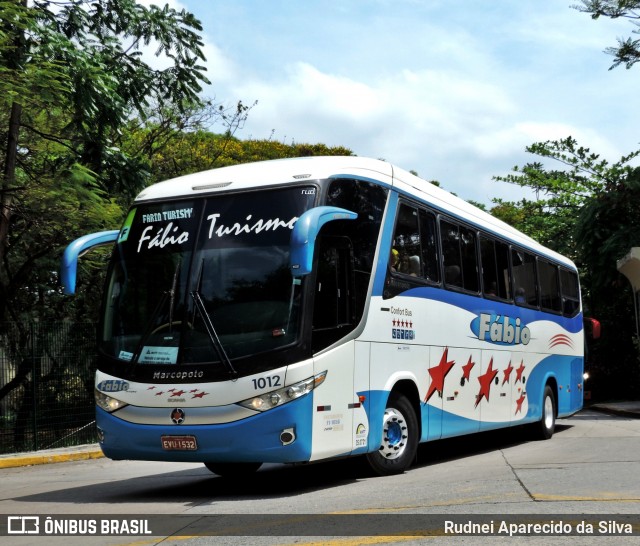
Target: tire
(544, 428)
(399, 438)
(233, 469)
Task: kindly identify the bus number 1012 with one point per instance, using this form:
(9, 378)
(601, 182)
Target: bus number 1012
(267, 382)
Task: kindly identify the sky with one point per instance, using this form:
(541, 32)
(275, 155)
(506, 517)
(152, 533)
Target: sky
(452, 89)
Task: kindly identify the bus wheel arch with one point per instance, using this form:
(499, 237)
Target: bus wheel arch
(400, 432)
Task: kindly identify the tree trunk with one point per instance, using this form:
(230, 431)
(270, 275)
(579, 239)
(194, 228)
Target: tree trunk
(9, 177)
(14, 61)
(6, 197)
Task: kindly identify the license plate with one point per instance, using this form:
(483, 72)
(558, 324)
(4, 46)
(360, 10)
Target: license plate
(179, 443)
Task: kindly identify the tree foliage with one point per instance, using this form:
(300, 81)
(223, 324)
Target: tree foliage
(200, 150)
(72, 76)
(560, 193)
(589, 210)
(627, 52)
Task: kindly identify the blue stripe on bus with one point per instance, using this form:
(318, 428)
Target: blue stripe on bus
(478, 305)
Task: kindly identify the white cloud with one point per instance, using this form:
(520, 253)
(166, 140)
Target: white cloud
(220, 67)
(454, 90)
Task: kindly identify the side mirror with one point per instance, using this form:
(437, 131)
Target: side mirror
(304, 234)
(76, 249)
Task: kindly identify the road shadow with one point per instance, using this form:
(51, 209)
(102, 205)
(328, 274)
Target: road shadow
(195, 486)
(470, 445)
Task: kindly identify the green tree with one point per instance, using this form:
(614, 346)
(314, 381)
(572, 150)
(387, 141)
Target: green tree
(627, 51)
(589, 209)
(186, 152)
(72, 76)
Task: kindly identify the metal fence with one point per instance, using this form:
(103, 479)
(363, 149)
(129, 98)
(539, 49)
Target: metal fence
(46, 385)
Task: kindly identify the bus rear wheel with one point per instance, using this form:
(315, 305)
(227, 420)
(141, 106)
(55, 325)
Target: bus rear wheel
(397, 450)
(233, 469)
(544, 428)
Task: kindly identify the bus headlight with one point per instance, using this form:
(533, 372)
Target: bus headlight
(273, 399)
(108, 403)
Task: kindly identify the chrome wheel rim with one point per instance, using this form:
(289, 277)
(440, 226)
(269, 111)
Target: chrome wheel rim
(394, 430)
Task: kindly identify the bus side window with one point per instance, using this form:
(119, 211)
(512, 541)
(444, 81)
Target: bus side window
(460, 257)
(570, 290)
(495, 268)
(549, 286)
(469, 252)
(429, 240)
(451, 254)
(523, 267)
(414, 259)
(406, 242)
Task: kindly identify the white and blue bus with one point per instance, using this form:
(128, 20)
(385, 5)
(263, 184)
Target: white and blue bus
(298, 310)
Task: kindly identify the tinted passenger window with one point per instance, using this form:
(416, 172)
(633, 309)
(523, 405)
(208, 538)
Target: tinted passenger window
(459, 254)
(549, 286)
(429, 242)
(523, 266)
(414, 259)
(405, 253)
(570, 292)
(495, 268)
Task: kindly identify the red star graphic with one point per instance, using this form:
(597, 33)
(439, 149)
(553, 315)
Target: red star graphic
(410, 324)
(159, 393)
(438, 374)
(177, 393)
(485, 382)
(151, 387)
(192, 391)
(519, 403)
(507, 373)
(519, 371)
(199, 395)
(394, 322)
(466, 369)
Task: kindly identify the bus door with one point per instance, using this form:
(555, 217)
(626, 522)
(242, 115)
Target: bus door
(333, 316)
(333, 310)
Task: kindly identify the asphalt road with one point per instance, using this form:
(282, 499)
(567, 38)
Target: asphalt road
(588, 472)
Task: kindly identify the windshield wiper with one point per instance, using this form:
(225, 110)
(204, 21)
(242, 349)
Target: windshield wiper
(152, 325)
(172, 298)
(211, 331)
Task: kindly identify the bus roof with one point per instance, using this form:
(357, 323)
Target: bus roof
(296, 170)
(266, 173)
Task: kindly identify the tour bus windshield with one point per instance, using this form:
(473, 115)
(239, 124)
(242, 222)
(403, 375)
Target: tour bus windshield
(204, 280)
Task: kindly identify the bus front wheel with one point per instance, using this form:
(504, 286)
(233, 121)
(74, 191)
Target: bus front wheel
(399, 438)
(233, 469)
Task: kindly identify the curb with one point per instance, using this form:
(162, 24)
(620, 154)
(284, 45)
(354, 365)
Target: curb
(615, 411)
(31, 459)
